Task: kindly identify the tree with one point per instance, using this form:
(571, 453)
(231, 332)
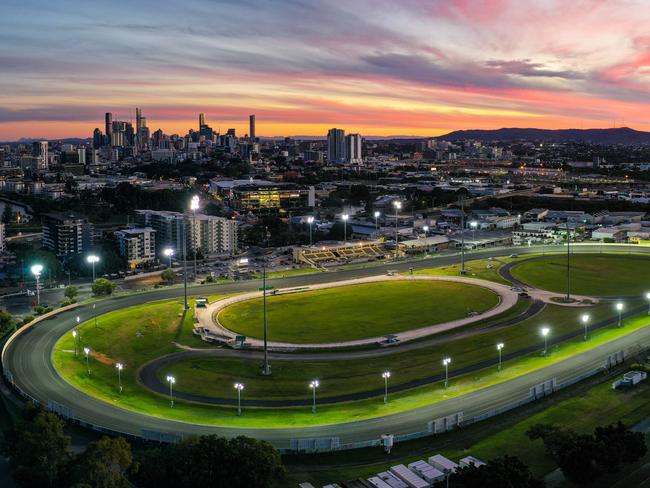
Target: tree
(168, 276)
(102, 287)
(618, 445)
(8, 215)
(104, 464)
(38, 449)
(504, 472)
(71, 292)
(211, 461)
(6, 322)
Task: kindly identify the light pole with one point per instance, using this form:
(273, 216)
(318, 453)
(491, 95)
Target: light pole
(473, 224)
(345, 218)
(445, 363)
(647, 295)
(619, 309)
(169, 253)
(266, 369)
(313, 385)
(239, 387)
(194, 205)
(385, 375)
(426, 230)
(585, 323)
(310, 221)
(86, 353)
(398, 205)
(119, 367)
(171, 380)
(186, 304)
(74, 339)
(37, 269)
(92, 259)
(545, 331)
(377, 214)
(499, 347)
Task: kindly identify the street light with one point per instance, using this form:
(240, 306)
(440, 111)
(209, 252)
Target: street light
(74, 339)
(37, 269)
(398, 205)
(377, 214)
(585, 322)
(545, 331)
(171, 380)
(426, 230)
(194, 206)
(239, 387)
(119, 367)
(313, 385)
(647, 295)
(169, 253)
(86, 353)
(499, 347)
(385, 375)
(473, 224)
(445, 363)
(345, 218)
(619, 309)
(310, 221)
(92, 259)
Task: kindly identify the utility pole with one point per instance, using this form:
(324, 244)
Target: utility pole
(462, 234)
(568, 262)
(266, 369)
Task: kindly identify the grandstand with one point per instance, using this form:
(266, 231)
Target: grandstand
(337, 254)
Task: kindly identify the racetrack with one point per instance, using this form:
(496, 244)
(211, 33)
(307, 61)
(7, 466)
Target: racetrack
(28, 361)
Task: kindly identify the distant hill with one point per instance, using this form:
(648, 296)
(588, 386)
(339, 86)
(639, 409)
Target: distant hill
(622, 135)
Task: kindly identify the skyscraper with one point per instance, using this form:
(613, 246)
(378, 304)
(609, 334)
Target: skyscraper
(97, 138)
(353, 149)
(109, 128)
(40, 152)
(201, 120)
(336, 145)
(251, 128)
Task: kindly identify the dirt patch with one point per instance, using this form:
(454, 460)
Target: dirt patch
(102, 358)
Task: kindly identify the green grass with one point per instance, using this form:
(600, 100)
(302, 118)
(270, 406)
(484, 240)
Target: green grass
(215, 376)
(480, 268)
(103, 381)
(593, 274)
(594, 404)
(357, 311)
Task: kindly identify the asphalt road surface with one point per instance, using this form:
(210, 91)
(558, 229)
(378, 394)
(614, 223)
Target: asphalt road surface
(28, 358)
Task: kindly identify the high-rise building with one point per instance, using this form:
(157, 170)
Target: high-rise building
(353, 149)
(251, 127)
(97, 138)
(137, 245)
(207, 233)
(109, 128)
(66, 233)
(40, 152)
(201, 120)
(336, 145)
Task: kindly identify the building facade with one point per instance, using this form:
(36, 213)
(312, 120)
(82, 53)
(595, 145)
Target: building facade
(66, 233)
(137, 245)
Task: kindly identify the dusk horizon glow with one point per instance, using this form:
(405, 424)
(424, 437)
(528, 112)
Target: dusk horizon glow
(416, 68)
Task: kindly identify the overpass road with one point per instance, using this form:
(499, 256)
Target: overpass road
(27, 361)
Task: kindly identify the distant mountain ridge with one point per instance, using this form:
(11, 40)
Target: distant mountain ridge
(619, 135)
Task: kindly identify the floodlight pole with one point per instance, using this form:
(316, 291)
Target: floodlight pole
(266, 369)
(568, 263)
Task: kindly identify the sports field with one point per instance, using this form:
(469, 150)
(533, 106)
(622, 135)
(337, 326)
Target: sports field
(591, 274)
(357, 311)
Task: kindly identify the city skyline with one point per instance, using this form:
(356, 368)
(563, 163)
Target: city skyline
(420, 68)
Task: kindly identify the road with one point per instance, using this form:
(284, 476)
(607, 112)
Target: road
(28, 359)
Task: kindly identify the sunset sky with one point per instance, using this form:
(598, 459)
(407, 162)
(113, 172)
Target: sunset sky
(407, 67)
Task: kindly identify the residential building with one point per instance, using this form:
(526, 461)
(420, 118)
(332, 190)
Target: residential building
(336, 146)
(66, 233)
(353, 149)
(137, 245)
